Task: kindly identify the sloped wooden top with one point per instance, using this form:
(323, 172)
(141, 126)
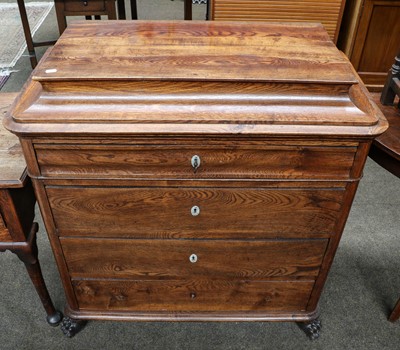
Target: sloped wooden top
(184, 77)
(12, 162)
(194, 50)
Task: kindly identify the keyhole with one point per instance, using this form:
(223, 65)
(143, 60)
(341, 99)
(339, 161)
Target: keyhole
(193, 258)
(195, 161)
(195, 210)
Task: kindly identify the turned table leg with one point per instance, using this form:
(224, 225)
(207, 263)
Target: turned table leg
(28, 254)
(394, 316)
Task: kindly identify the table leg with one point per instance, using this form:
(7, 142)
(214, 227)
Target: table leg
(395, 315)
(133, 9)
(121, 9)
(188, 9)
(28, 254)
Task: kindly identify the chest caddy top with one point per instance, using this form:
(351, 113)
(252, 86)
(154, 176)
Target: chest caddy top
(194, 170)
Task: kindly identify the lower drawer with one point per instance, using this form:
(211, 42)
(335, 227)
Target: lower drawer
(188, 259)
(192, 295)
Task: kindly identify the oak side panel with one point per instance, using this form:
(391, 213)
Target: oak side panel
(334, 242)
(54, 242)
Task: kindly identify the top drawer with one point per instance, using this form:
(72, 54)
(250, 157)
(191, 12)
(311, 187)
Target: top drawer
(195, 161)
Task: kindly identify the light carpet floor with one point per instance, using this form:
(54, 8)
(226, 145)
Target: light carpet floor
(12, 40)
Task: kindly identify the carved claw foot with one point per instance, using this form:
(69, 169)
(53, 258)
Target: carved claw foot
(311, 329)
(55, 319)
(70, 327)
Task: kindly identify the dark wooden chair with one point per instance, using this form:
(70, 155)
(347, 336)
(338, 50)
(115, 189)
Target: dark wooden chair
(386, 148)
(30, 43)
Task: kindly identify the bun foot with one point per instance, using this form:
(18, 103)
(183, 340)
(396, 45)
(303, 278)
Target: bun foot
(54, 319)
(311, 329)
(70, 327)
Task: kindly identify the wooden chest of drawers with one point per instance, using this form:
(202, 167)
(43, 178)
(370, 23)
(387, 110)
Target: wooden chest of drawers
(329, 13)
(197, 171)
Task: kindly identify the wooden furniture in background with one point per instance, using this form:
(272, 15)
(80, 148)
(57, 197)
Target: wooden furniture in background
(329, 13)
(30, 43)
(97, 8)
(385, 149)
(370, 37)
(86, 8)
(17, 210)
(216, 190)
(187, 9)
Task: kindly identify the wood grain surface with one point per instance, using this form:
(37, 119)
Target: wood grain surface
(329, 13)
(192, 295)
(228, 161)
(197, 103)
(170, 259)
(195, 50)
(166, 212)
(109, 124)
(4, 233)
(389, 141)
(12, 163)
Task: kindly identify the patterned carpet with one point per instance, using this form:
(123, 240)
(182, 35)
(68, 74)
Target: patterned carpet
(11, 31)
(3, 79)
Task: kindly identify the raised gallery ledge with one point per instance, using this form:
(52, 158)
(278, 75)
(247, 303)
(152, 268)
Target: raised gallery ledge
(207, 103)
(189, 129)
(243, 98)
(195, 113)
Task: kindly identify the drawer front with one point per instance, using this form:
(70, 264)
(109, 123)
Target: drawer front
(79, 6)
(198, 295)
(194, 212)
(284, 162)
(185, 259)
